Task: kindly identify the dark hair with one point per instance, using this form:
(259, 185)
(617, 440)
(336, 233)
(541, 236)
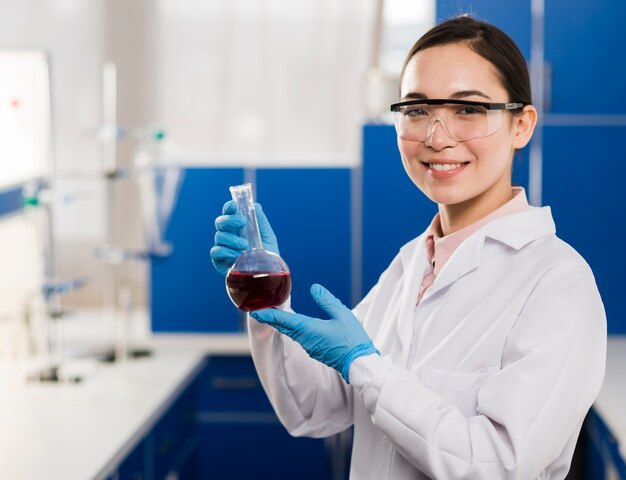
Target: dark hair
(490, 43)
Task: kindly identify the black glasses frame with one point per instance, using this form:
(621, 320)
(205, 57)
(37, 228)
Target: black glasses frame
(442, 101)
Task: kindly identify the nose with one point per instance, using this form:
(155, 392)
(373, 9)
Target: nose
(439, 138)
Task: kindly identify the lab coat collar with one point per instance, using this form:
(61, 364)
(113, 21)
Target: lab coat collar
(515, 230)
(519, 229)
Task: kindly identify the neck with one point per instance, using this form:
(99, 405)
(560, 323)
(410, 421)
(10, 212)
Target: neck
(460, 215)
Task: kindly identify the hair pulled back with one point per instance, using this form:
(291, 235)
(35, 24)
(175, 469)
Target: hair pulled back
(490, 43)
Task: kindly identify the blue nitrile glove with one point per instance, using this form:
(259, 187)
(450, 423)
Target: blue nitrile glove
(229, 243)
(335, 342)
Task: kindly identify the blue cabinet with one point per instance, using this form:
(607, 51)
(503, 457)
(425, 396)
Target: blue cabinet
(187, 294)
(168, 450)
(241, 436)
(581, 186)
(174, 440)
(137, 465)
(584, 49)
(310, 212)
(223, 426)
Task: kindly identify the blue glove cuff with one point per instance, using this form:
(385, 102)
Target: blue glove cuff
(356, 352)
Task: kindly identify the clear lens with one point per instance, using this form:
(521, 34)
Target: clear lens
(463, 122)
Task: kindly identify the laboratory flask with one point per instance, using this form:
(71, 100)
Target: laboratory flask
(258, 279)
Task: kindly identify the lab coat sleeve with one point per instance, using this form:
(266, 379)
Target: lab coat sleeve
(309, 398)
(552, 370)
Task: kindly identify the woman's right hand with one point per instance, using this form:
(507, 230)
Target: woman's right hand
(229, 242)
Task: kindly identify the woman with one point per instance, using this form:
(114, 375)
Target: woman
(482, 346)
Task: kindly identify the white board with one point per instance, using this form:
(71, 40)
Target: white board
(25, 124)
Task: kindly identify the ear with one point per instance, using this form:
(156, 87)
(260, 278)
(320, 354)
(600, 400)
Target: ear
(524, 126)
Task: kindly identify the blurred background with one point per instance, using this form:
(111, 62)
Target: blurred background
(268, 83)
(124, 122)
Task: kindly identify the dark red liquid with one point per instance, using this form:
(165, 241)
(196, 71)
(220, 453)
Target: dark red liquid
(257, 290)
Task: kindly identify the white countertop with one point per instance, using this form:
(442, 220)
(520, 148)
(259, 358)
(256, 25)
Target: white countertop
(82, 431)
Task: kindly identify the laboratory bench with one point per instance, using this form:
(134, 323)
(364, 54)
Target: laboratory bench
(195, 409)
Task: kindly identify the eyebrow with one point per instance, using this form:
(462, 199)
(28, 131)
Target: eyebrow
(455, 95)
(416, 96)
(470, 93)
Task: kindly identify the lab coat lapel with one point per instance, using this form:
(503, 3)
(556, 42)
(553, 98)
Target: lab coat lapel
(415, 264)
(465, 259)
(515, 230)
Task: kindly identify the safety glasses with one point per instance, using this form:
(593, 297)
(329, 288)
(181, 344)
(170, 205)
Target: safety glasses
(462, 120)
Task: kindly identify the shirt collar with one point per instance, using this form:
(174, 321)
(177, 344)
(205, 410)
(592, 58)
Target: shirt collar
(440, 248)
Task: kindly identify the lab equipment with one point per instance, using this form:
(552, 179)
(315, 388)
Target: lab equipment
(461, 119)
(159, 183)
(336, 342)
(259, 278)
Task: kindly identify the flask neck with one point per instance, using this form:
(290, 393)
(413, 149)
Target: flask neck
(242, 194)
(251, 231)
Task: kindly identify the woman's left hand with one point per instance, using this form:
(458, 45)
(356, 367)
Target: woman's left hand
(336, 342)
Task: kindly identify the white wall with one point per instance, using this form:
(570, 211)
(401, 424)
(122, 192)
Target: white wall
(274, 82)
(274, 79)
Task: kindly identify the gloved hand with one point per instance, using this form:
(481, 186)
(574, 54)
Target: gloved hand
(335, 342)
(229, 243)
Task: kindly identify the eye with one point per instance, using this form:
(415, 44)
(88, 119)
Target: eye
(414, 112)
(470, 110)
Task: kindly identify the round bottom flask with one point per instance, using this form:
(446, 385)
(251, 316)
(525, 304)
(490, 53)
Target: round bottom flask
(258, 279)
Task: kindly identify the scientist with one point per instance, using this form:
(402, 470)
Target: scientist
(482, 346)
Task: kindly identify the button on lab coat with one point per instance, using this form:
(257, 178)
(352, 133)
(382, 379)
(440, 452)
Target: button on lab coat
(489, 377)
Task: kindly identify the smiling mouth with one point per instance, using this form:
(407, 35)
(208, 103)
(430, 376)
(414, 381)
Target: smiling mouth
(444, 167)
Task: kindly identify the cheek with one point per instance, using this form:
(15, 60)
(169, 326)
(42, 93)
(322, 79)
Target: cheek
(493, 161)
(491, 152)
(409, 151)
(402, 146)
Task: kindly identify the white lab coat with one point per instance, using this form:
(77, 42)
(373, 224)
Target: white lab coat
(489, 377)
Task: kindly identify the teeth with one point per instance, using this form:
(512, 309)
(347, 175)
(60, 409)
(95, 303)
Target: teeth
(445, 167)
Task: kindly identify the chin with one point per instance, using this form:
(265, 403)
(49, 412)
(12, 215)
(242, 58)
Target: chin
(448, 196)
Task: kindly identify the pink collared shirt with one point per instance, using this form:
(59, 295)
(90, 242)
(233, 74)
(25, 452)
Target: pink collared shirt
(440, 249)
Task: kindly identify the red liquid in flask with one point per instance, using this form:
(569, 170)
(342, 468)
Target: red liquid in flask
(251, 291)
